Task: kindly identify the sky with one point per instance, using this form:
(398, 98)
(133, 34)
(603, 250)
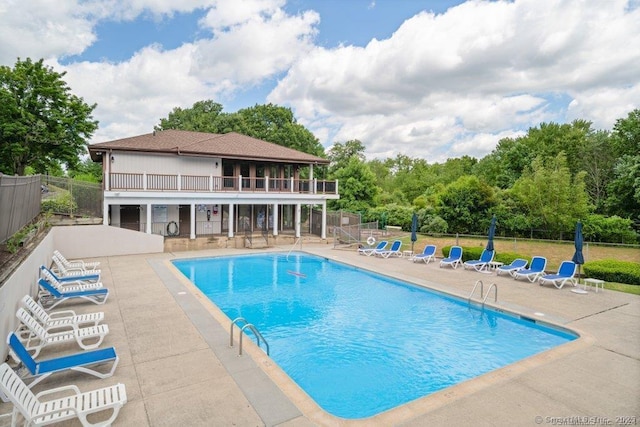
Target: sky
(432, 79)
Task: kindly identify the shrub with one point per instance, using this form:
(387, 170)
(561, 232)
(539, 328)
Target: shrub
(63, 203)
(611, 270)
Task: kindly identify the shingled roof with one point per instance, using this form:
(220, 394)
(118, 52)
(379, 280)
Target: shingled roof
(227, 146)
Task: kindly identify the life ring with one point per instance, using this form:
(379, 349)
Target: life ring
(172, 229)
(371, 240)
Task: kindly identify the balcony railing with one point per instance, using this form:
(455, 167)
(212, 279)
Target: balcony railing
(203, 183)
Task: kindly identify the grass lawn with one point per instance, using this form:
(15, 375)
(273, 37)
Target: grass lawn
(621, 287)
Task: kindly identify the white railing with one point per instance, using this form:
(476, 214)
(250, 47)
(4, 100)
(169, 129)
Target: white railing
(210, 183)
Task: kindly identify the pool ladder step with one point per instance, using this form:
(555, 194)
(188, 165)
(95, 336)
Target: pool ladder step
(245, 325)
(482, 296)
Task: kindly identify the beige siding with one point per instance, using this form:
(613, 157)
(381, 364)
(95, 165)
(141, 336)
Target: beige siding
(165, 164)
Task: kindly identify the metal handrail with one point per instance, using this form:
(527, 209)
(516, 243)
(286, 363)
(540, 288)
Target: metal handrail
(250, 326)
(256, 333)
(294, 246)
(494, 286)
(474, 289)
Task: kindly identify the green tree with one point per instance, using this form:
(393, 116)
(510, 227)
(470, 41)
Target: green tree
(624, 188)
(357, 186)
(278, 125)
(612, 229)
(552, 197)
(87, 170)
(465, 205)
(42, 124)
(267, 122)
(340, 153)
(506, 163)
(203, 116)
(598, 160)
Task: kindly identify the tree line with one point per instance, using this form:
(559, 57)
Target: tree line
(537, 185)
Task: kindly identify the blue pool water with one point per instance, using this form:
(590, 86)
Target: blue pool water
(357, 342)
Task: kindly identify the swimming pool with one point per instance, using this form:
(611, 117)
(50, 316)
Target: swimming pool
(360, 343)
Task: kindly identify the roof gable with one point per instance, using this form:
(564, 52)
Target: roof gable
(229, 145)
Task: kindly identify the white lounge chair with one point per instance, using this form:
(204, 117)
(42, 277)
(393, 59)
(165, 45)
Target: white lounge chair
(394, 250)
(454, 259)
(428, 254)
(481, 264)
(64, 274)
(74, 405)
(516, 265)
(370, 251)
(50, 296)
(535, 270)
(84, 361)
(565, 275)
(63, 319)
(35, 338)
(77, 263)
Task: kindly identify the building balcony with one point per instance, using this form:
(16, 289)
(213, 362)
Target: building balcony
(210, 183)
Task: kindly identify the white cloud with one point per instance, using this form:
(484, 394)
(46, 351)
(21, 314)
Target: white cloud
(43, 29)
(256, 43)
(461, 80)
(603, 105)
(442, 85)
(133, 95)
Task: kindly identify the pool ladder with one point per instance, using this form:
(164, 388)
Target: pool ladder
(482, 296)
(252, 328)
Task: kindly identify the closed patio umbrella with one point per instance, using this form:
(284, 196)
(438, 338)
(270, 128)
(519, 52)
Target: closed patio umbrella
(492, 233)
(578, 241)
(414, 230)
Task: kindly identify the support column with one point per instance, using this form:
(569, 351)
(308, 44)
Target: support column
(275, 219)
(105, 213)
(298, 219)
(192, 214)
(323, 232)
(148, 228)
(230, 224)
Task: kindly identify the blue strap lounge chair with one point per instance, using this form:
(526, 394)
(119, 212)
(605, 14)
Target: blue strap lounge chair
(81, 362)
(483, 263)
(75, 284)
(393, 251)
(516, 265)
(565, 274)
(454, 259)
(428, 254)
(535, 270)
(67, 402)
(369, 251)
(50, 296)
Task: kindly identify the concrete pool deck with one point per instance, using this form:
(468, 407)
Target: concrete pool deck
(178, 368)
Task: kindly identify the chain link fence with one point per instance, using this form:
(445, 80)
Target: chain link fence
(65, 196)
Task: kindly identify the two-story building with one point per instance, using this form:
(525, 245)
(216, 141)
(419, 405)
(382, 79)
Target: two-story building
(182, 183)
